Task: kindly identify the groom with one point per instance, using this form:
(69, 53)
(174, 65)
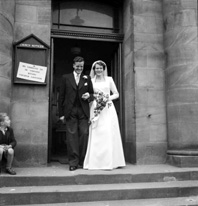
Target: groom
(76, 92)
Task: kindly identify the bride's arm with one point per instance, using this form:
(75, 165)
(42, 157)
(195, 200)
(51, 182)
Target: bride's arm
(113, 89)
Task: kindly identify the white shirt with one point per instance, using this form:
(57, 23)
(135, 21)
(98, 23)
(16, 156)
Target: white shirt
(76, 77)
(3, 130)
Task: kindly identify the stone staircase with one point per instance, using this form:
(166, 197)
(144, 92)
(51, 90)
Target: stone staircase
(123, 187)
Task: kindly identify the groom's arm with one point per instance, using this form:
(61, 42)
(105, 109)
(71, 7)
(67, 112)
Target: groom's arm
(89, 94)
(90, 89)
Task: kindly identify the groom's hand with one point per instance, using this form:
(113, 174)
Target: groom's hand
(62, 118)
(85, 96)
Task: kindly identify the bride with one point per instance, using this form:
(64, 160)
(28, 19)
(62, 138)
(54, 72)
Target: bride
(104, 149)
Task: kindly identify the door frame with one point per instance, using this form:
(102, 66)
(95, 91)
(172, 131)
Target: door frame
(118, 38)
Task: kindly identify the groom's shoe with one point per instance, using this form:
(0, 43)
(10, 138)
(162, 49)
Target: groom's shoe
(80, 166)
(72, 168)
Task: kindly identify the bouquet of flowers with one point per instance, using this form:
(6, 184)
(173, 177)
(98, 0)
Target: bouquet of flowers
(101, 102)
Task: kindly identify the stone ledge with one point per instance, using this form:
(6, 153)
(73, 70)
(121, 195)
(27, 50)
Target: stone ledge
(188, 152)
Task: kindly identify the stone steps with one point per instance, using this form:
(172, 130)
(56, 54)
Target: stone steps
(104, 178)
(97, 192)
(179, 201)
(157, 185)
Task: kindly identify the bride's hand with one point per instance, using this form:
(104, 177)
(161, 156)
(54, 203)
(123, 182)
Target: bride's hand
(95, 95)
(85, 96)
(108, 97)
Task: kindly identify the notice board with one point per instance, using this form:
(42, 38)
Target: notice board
(30, 61)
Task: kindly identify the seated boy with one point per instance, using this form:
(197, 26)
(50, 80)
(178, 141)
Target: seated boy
(7, 142)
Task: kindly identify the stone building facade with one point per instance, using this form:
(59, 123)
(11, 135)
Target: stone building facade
(156, 73)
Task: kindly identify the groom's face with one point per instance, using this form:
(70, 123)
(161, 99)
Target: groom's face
(78, 67)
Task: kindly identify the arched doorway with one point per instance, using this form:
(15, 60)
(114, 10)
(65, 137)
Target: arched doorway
(74, 34)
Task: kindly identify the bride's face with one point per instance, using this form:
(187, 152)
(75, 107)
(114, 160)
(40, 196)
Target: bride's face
(99, 70)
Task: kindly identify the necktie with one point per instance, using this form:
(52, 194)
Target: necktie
(77, 78)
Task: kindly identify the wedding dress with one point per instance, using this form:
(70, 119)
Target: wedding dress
(104, 149)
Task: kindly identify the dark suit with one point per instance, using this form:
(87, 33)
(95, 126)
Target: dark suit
(76, 112)
(8, 138)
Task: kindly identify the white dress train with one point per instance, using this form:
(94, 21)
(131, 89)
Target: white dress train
(104, 149)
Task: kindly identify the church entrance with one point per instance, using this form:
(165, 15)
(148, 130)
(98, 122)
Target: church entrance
(93, 30)
(64, 50)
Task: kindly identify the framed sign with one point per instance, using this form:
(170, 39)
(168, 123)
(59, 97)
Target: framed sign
(30, 61)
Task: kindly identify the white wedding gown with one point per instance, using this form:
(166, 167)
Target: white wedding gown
(104, 149)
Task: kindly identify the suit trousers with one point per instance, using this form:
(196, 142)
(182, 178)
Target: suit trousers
(77, 130)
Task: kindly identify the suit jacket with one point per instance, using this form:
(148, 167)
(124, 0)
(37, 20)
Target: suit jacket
(8, 138)
(69, 90)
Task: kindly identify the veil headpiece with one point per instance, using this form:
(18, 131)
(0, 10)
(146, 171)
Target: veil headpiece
(92, 72)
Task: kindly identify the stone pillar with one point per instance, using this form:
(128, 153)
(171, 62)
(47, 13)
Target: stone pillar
(180, 27)
(145, 111)
(128, 87)
(6, 40)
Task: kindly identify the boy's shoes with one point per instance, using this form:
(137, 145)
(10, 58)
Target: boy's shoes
(10, 171)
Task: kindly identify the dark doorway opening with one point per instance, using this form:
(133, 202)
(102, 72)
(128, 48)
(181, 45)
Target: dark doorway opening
(64, 50)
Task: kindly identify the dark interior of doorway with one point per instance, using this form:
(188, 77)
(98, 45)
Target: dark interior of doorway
(64, 52)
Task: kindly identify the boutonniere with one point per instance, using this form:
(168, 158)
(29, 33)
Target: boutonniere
(85, 77)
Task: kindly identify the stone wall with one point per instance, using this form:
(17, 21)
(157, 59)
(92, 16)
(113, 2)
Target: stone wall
(30, 103)
(149, 27)
(6, 40)
(150, 105)
(145, 107)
